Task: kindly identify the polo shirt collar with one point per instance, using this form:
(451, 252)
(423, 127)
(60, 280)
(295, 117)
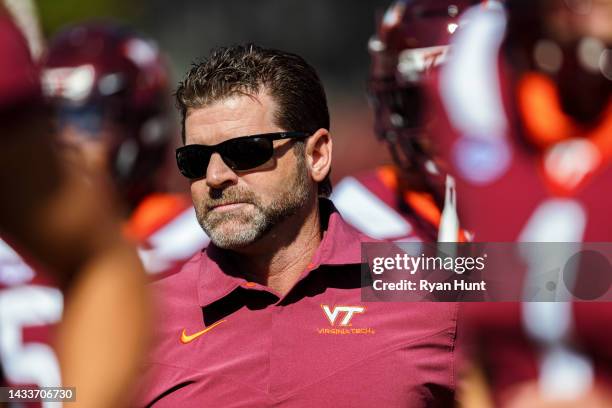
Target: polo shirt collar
(340, 245)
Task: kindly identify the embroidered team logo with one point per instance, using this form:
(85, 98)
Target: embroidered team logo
(340, 318)
(347, 311)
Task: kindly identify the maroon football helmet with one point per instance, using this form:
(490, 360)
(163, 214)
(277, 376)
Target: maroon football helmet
(109, 86)
(412, 38)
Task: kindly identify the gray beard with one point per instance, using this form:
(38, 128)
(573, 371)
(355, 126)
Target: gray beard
(248, 226)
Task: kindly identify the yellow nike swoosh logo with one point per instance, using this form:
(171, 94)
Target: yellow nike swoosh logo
(189, 338)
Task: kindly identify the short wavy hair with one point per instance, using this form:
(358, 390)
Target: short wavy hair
(249, 69)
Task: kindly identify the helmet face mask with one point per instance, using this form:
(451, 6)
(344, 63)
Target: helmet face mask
(397, 111)
(109, 85)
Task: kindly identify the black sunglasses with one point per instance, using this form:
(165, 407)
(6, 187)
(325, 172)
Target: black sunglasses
(239, 153)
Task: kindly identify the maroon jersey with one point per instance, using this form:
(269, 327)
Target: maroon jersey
(375, 203)
(526, 172)
(222, 341)
(372, 203)
(30, 307)
(167, 232)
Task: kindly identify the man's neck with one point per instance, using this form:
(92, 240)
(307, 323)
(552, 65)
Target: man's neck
(278, 259)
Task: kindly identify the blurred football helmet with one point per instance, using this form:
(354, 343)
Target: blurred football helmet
(412, 38)
(109, 86)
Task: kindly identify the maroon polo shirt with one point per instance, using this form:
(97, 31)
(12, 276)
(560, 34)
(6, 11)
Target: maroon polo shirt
(221, 341)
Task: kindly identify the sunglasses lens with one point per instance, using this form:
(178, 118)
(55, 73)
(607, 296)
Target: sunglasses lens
(192, 161)
(239, 154)
(245, 154)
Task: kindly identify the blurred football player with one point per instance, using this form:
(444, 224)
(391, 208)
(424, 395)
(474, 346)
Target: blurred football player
(526, 129)
(405, 201)
(109, 89)
(57, 221)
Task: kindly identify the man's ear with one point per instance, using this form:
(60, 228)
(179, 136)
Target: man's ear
(319, 154)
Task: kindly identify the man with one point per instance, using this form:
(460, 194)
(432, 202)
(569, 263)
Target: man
(406, 201)
(525, 125)
(270, 313)
(78, 244)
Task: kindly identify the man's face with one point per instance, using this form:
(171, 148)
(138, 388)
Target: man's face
(236, 208)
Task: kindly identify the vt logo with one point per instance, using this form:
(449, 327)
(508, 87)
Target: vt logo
(347, 313)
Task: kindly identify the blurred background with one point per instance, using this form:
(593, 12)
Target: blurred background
(330, 35)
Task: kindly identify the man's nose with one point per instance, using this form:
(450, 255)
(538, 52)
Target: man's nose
(219, 174)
